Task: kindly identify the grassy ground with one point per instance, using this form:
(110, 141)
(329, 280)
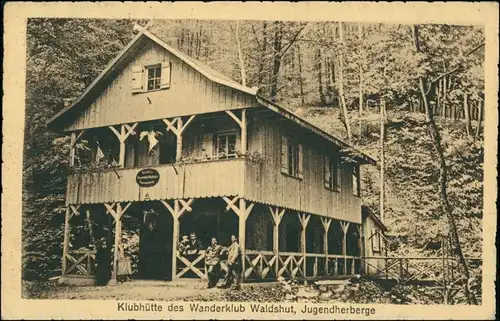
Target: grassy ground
(195, 290)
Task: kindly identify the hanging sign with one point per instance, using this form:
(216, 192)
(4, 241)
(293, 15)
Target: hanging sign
(147, 177)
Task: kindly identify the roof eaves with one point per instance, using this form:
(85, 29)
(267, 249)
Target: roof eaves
(210, 74)
(302, 122)
(98, 79)
(375, 218)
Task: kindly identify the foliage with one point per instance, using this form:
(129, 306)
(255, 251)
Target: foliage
(63, 57)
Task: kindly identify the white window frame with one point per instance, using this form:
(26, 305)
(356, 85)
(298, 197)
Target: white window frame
(158, 79)
(225, 153)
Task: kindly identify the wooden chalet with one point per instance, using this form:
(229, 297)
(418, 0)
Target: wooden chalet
(164, 139)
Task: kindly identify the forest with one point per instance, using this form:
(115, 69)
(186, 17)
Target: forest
(411, 96)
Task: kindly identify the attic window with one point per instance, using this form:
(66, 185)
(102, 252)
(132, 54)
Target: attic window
(151, 77)
(154, 77)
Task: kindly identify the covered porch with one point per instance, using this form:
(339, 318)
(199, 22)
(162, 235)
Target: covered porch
(275, 242)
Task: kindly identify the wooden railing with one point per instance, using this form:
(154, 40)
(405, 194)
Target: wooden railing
(195, 264)
(176, 181)
(267, 265)
(441, 271)
(80, 262)
(260, 265)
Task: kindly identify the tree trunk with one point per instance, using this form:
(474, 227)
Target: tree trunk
(240, 55)
(278, 34)
(360, 98)
(263, 53)
(439, 91)
(341, 86)
(301, 82)
(382, 158)
(319, 76)
(442, 181)
(480, 117)
(468, 127)
(443, 103)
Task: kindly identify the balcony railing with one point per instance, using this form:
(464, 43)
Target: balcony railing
(180, 180)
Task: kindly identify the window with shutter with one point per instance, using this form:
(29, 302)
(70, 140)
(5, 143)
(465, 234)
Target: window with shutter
(300, 161)
(284, 154)
(154, 77)
(291, 158)
(327, 171)
(375, 240)
(165, 75)
(137, 81)
(332, 173)
(338, 176)
(355, 180)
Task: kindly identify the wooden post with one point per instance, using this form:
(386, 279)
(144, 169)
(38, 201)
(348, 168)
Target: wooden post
(122, 135)
(243, 211)
(66, 241)
(176, 213)
(117, 214)
(243, 131)
(178, 153)
(345, 227)
(304, 220)
(118, 231)
(276, 216)
(177, 126)
(326, 226)
(361, 247)
(175, 238)
(243, 125)
(72, 150)
(243, 215)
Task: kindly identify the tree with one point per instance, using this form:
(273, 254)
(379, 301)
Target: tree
(424, 87)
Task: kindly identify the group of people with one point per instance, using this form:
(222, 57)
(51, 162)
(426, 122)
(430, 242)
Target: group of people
(189, 246)
(214, 256)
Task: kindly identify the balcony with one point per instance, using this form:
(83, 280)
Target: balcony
(214, 178)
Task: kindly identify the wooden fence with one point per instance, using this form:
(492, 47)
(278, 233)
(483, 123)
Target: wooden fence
(80, 262)
(442, 272)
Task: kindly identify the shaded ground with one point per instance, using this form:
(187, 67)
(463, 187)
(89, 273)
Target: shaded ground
(285, 291)
(136, 290)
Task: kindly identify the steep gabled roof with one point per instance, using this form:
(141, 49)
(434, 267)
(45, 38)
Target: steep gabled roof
(131, 49)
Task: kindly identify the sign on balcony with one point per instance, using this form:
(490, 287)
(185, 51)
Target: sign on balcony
(147, 177)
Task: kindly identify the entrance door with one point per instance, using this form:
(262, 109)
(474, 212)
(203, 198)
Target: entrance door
(155, 247)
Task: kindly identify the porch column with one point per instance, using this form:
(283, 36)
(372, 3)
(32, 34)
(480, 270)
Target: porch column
(75, 136)
(70, 211)
(180, 207)
(361, 247)
(345, 227)
(276, 215)
(326, 226)
(304, 220)
(243, 211)
(116, 210)
(177, 126)
(243, 125)
(122, 135)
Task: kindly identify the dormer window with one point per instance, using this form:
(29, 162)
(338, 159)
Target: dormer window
(154, 77)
